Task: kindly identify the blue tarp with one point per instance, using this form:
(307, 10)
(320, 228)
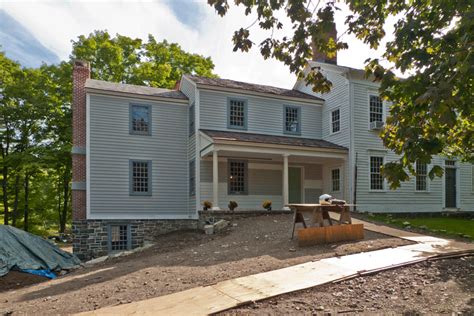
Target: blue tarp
(44, 273)
(24, 251)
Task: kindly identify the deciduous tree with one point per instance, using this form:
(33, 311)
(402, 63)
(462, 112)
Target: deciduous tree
(432, 112)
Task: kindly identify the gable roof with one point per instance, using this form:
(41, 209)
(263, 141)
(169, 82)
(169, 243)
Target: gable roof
(270, 139)
(134, 89)
(232, 84)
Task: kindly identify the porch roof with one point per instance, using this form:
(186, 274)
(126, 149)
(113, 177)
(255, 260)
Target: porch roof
(270, 139)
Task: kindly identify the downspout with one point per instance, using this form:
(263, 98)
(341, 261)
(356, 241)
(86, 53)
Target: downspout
(352, 152)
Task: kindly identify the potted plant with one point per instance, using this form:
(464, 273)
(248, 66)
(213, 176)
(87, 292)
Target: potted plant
(207, 205)
(267, 204)
(232, 205)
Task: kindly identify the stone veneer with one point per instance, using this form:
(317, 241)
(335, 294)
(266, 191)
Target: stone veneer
(91, 236)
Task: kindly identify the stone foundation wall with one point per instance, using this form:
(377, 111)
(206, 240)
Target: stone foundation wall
(91, 237)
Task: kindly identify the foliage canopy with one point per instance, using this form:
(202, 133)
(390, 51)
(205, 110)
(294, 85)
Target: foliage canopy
(432, 112)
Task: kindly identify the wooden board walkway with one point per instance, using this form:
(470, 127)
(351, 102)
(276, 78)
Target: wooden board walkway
(231, 293)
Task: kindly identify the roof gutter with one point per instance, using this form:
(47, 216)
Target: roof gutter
(267, 145)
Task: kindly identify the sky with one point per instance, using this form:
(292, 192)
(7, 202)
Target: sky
(191, 23)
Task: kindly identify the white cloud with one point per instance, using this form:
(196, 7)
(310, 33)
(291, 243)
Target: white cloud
(56, 23)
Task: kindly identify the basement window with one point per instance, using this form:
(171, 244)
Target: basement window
(119, 237)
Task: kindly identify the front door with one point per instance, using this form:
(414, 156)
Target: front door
(294, 183)
(450, 187)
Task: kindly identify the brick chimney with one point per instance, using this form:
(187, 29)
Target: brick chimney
(80, 73)
(322, 57)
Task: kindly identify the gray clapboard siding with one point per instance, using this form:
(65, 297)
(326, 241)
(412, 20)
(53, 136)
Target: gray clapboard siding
(337, 98)
(188, 88)
(265, 115)
(112, 146)
(368, 143)
(466, 172)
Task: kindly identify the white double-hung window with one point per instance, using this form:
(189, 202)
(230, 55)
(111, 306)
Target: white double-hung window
(377, 182)
(335, 121)
(140, 119)
(237, 181)
(336, 180)
(237, 114)
(375, 109)
(292, 119)
(421, 176)
(140, 177)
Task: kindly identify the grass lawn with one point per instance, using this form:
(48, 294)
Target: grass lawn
(449, 226)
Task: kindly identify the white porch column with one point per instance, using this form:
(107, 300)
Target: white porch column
(215, 181)
(285, 182)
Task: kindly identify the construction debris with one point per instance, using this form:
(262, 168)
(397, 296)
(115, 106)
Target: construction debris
(215, 227)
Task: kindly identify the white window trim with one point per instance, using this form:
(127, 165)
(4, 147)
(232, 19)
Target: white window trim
(369, 173)
(384, 105)
(330, 121)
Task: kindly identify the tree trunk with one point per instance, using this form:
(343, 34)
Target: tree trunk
(5, 194)
(59, 196)
(26, 210)
(5, 180)
(63, 218)
(15, 202)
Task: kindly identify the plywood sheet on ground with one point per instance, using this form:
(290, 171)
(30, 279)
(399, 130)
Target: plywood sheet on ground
(196, 301)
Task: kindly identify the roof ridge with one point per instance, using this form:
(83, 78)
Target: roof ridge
(250, 83)
(254, 87)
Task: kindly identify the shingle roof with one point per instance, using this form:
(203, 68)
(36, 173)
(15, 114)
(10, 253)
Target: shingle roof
(134, 89)
(271, 139)
(232, 84)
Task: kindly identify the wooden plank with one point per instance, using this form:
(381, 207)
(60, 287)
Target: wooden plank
(196, 301)
(329, 234)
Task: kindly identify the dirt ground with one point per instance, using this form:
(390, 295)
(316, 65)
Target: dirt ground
(177, 262)
(427, 288)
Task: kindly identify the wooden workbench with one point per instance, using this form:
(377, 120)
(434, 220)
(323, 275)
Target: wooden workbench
(319, 213)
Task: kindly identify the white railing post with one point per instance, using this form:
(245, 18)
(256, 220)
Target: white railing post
(285, 182)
